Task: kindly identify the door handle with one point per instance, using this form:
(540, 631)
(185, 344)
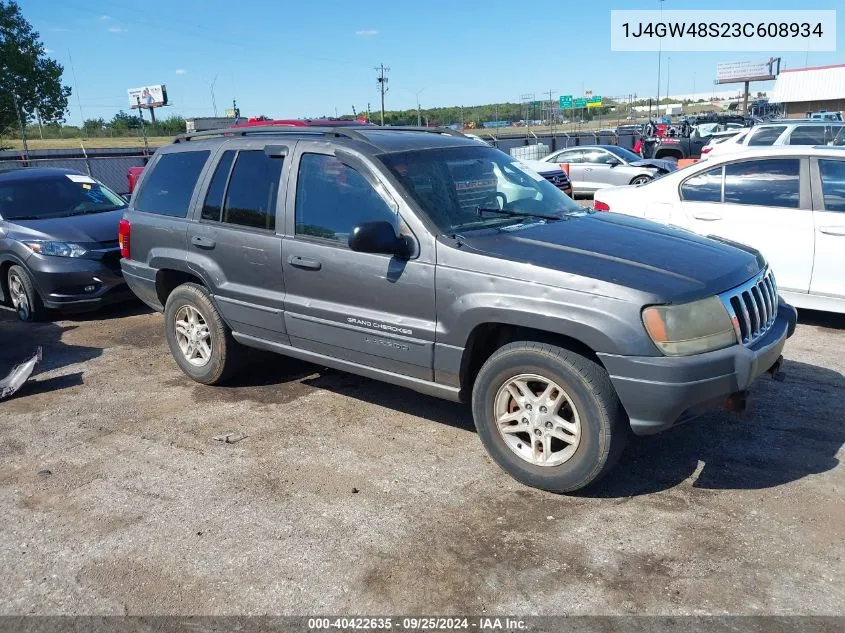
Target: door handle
(588, 169)
(202, 242)
(707, 216)
(304, 262)
(832, 230)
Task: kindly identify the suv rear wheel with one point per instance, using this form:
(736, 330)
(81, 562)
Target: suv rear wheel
(549, 417)
(199, 340)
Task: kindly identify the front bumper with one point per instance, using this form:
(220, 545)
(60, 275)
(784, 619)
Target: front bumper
(61, 282)
(661, 391)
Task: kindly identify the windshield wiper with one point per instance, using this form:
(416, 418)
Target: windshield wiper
(519, 214)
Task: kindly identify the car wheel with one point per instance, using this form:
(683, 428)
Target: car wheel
(199, 340)
(640, 180)
(549, 417)
(23, 295)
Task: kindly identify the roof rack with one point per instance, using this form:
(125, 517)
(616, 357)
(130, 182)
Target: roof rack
(339, 131)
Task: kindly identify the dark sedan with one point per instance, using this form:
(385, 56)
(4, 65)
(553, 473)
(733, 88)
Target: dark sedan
(58, 242)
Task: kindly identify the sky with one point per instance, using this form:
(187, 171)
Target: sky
(288, 59)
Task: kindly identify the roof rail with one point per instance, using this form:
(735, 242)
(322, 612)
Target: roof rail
(338, 131)
(273, 129)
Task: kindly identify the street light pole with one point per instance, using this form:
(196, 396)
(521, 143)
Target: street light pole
(213, 101)
(20, 122)
(659, 55)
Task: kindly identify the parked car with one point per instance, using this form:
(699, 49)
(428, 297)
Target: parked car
(387, 253)
(779, 133)
(58, 242)
(594, 167)
(826, 116)
(786, 202)
(726, 136)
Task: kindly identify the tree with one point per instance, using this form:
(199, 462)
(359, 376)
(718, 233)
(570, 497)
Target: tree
(93, 125)
(26, 70)
(122, 122)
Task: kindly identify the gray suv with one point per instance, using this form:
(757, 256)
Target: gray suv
(427, 260)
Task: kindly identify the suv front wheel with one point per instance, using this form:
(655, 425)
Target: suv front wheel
(549, 417)
(199, 340)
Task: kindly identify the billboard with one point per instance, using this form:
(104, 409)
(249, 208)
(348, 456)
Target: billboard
(148, 96)
(740, 72)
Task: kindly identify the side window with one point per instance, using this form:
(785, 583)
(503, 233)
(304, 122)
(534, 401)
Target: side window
(833, 184)
(168, 189)
(332, 199)
(596, 157)
(766, 135)
(810, 135)
(574, 157)
(213, 205)
(771, 182)
(252, 191)
(704, 187)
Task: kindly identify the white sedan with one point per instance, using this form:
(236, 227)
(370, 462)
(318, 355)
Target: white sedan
(787, 202)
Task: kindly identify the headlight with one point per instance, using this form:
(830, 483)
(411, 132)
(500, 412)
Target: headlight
(59, 249)
(690, 328)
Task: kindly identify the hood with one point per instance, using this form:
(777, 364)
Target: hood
(656, 163)
(673, 264)
(94, 227)
(540, 166)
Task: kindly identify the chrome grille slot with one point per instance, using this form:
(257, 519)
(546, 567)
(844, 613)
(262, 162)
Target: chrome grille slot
(752, 307)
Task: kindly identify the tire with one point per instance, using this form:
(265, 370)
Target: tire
(23, 296)
(602, 426)
(640, 180)
(222, 357)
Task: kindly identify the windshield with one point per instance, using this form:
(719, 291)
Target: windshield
(461, 188)
(839, 141)
(624, 154)
(55, 197)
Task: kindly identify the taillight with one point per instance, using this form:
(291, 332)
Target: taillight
(123, 230)
(706, 149)
(598, 205)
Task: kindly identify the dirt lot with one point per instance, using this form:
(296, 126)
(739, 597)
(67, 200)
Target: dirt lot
(351, 496)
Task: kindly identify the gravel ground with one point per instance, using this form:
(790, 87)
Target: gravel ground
(350, 496)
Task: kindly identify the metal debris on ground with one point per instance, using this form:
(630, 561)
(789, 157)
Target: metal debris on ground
(19, 375)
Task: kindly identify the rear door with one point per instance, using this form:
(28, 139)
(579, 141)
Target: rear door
(765, 203)
(372, 309)
(233, 242)
(829, 216)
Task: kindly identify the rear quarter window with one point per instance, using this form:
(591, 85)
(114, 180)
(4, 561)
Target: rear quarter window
(168, 188)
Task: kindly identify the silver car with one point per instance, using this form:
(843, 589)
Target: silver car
(594, 167)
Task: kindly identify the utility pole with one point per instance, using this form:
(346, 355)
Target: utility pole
(462, 117)
(143, 129)
(382, 84)
(659, 55)
(551, 115)
(20, 122)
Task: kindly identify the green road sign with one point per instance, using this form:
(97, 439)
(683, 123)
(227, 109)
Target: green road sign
(594, 102)
(580, 103)
(566, 101)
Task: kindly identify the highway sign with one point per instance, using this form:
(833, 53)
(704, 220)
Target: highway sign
(566, 101)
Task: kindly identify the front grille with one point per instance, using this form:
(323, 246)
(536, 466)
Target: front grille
(558, 180)
(753, 307)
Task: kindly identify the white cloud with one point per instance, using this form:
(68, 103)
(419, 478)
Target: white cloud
(181, 71)
(116, 29)
(57, 30)
(48, 51)
(105, 17)
(366, 33)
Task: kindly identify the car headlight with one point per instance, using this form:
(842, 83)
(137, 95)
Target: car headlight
(690, 328)
(59, 249)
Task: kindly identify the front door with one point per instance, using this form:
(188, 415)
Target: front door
(829, 267)
(372, 309)
(233, 244)
(765, 204)
(597, 168)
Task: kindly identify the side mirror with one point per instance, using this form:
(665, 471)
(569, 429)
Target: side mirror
(379, 237)
(613, 162)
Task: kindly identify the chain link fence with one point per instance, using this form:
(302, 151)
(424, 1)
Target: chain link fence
(112, 171)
